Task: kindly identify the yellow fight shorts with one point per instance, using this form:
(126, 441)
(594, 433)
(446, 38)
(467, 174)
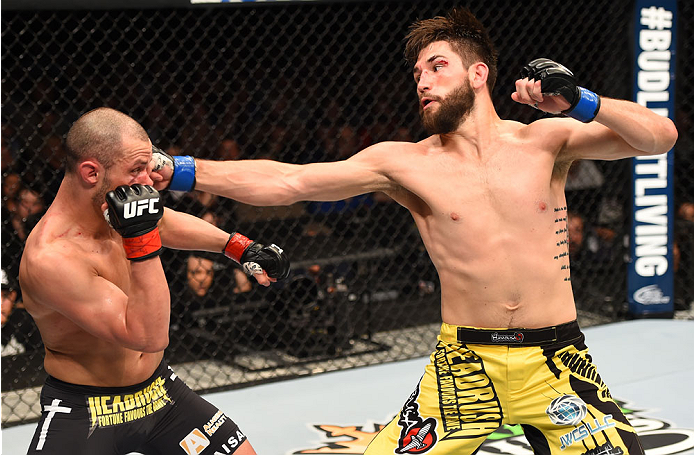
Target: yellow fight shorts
(480, 379)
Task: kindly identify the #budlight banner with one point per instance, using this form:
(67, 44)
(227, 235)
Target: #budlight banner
(650, 275)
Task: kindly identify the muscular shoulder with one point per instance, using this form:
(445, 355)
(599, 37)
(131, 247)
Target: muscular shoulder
(390, 158)
(548, 134)
(48, 262)
(390, 151)
(398, 163)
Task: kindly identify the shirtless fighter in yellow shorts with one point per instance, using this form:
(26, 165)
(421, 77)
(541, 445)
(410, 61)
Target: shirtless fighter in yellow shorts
(487, 195)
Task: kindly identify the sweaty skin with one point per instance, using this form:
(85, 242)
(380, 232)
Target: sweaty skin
(488, 198)
(104, 320)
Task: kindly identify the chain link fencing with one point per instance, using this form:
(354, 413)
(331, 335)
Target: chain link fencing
(303, 83)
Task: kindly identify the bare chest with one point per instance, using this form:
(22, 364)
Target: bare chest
(514, 188)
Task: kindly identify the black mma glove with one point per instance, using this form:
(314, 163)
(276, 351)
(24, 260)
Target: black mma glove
(134, 211)
(182, 168)
(255, 256)
(556, 79)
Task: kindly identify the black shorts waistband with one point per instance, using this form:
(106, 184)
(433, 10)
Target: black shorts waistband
(569, 331)
(80, 389)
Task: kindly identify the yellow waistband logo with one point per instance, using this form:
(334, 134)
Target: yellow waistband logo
(109, 410)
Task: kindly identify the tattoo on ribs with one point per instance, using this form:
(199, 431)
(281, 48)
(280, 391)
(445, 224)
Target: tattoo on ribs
(561, 231)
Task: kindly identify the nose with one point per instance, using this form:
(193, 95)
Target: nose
(145, 179)
(424, 83)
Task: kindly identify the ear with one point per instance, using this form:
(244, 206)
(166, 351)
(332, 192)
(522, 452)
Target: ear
(478, 73)
(90, 171)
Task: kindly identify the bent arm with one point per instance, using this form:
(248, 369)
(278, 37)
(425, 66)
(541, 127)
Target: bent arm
(268, 183)
(622, 129)
(136, 318)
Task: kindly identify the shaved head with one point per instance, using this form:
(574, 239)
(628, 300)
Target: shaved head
(98, 135)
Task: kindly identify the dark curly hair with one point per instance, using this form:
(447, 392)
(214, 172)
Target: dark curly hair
(463, 31)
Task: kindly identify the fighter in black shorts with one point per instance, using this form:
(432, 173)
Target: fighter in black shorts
(158, 416)
(92, 280)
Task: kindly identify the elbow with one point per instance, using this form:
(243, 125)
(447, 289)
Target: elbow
(669, 135)
(286, 199)
(156, 345)
(290, 193)
(661, 139)
(151, 345)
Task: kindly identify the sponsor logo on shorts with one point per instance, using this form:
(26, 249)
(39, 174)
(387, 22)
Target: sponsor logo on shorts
(417, 435)
(584, 430)
(214, 423)
(566, 410)
(658, 435)
(468, 403)
(231, 444)
(507, 337)
(110, 410)
(650, 295)
(605, 449)
(194, 443)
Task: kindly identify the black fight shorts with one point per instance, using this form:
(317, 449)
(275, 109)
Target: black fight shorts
(159, 416)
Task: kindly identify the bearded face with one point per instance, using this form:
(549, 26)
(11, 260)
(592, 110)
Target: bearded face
(451, 111)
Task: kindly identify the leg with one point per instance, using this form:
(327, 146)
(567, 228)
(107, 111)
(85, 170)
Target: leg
(452, 410)
(64, 428)
(193, 425)
(245, 449)
(569, 410)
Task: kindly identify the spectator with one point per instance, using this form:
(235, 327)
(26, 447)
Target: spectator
(51, 173)
(11, 185)
(19, 333)
(12, 244)
(30, 207)
(605, 244)
(10, 345)
(241, 281)
(228, 149)
(683, 256)
(7, 159)
(578, 255)
(575, 225)
(203, 310)
(9, 298)
(174, 150)
(686, 211)
(402, 134)
(605, 240)
(199, 274)
(583, 175)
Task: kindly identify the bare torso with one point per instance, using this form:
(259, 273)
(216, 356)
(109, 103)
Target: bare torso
(494, 223)
(73, 354)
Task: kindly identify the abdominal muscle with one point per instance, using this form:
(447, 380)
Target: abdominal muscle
(502, 275)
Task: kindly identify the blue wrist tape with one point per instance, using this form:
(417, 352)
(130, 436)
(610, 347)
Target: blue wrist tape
(183, 178)
(587, 107)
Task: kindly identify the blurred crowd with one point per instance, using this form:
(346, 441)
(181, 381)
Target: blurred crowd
(31, 174)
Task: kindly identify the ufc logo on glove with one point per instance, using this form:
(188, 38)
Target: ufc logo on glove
(137, 208)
